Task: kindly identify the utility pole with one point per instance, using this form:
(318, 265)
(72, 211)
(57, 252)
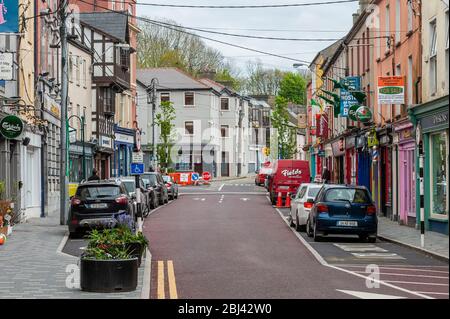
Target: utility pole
(151, 99)
(63, 191)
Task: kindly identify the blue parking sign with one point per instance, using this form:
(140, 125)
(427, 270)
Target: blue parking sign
(137, 168)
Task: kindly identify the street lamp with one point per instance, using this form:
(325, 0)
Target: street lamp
(82, 122)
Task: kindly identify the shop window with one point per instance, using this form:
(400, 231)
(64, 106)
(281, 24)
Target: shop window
(439, 175)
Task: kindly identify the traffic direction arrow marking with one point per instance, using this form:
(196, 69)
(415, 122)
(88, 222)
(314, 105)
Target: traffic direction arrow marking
(369, 295)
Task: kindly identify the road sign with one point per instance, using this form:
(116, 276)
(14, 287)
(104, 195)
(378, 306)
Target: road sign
(195, 177)
(137, 157)
(206, 176)
(137, 168)
(184, 177)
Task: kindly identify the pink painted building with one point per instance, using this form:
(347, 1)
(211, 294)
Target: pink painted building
(397, 52)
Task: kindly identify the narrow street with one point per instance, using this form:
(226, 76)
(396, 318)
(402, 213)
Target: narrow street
(227, 241)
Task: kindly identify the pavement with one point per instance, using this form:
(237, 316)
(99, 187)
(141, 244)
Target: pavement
(227, 241)
(436, 244)
(34, 266)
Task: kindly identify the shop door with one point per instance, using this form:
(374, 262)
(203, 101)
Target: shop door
(348, 167)
(410, 184)
(103, 169)
(364, 163)
(386, 186)
(225, 172)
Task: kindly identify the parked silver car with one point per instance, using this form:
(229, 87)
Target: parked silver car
(172, 187)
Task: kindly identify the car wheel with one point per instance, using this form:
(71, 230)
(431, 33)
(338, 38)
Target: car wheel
(75, 235)
(316, 236)
(363, 237)
(372, 239)
(291, 220)
(176, 195)
(308, 228)
(146, 210)
(167, 198)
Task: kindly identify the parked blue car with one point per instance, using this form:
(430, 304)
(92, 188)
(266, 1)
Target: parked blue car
(342, 209)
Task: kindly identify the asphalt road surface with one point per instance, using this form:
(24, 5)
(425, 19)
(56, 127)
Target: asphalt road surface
(226, 240)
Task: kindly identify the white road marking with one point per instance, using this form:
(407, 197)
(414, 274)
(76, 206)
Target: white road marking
(358, 247)
(400, 268)
(221, 186)
(377, 255)
(244, 199)
(406, 275)
(368, 295)
(61, 246)
(416, 283)
(432, 293)
(324, 263)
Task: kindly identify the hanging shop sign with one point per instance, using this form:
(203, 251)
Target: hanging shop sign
(6, 66)
(391, 90)
(11, 127)
(385, 140)
(361, 141)
(372, 139)
(347, 99)
(9, 16)
(352, 112)
(364, 114)
(338, 147)
(323, 126)
(350, 142)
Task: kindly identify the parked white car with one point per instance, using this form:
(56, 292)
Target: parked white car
(300, 206)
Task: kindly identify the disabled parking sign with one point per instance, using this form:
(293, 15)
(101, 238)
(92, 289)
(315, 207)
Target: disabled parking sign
(137, 168)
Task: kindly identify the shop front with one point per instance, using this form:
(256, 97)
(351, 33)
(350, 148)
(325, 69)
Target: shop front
(433, 118)
(123, 149)
(102, 157)
(76, 160)
(350, 160)
(405, 168)
(338, 172)
(364, 162)
(385, 199)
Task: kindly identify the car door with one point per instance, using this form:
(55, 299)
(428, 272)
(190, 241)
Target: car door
(297, 202)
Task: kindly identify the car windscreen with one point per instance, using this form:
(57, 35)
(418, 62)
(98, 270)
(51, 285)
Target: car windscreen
(352, 195)
(97, 192)
(313, 191)
(265, 170)
(149, 180)
(130, 186)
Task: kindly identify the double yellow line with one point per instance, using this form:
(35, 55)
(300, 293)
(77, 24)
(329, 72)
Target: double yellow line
(160, 292)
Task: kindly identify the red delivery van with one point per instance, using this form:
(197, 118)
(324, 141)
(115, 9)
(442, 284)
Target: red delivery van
(286, 177)
(265, 170)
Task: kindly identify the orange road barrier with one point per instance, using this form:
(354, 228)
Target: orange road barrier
(279, 200)
(288, 200)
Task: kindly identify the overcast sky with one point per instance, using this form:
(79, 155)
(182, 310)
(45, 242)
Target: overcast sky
(335, 19)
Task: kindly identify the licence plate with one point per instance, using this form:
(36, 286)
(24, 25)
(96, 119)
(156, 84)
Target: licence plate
(283, 187)
(101, 205)
(347, 223)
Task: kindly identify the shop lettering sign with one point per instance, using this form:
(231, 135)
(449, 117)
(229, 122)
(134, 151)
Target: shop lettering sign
(438, 119)
(292, 172)
(11, 127)
(352, 112)
(364, 114)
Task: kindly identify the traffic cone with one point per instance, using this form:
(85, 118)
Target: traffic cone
(288, 200)
(279, 200)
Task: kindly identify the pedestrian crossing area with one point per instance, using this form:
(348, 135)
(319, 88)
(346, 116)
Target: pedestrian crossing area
(368, 251)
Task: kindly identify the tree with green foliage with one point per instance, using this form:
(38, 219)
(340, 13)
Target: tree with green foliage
(293, 88)
(287, 133)
(225, 76)
(164, 119)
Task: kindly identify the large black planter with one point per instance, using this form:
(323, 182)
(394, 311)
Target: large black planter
(136, 250)
(108, 275)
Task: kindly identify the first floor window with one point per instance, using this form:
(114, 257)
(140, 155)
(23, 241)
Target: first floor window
(224, 104)
(189, 99)
(189, 128)
(224, 131)
(439, 174)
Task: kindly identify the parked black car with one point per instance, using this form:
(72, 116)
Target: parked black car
(342, 209)
(97, 204)
(172, 187)
(154, 181)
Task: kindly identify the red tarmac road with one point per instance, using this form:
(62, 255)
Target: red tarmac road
(237, 246)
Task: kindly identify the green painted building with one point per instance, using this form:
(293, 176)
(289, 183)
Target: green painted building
(433, 117)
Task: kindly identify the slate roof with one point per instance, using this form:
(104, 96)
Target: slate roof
(170, 79)
(112, 23)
